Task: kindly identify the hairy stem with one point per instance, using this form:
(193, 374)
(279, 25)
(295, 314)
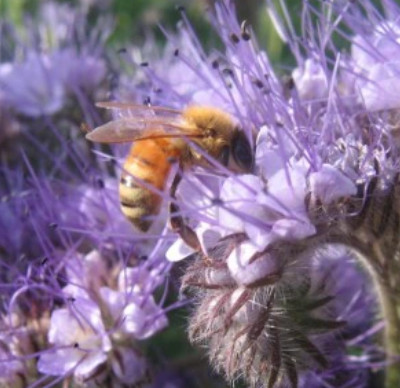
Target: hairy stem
(389, 302)
(390, 310)
(389, 298)
(374, 235)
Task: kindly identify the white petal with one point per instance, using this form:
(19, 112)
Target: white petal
(59, 362)
(208, 236)
(246, 273)
(291, 229)
(178, 251)
(64, 328)
(329, 184)
(311, 80)
(381, 91)
(88, 366)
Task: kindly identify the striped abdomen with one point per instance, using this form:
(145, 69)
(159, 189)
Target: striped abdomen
(145, 173)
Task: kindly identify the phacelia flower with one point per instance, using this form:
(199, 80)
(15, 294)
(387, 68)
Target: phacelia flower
(325, 175)
(33, 86)
(375, 57)
(291, 267)
(61, 61)
(81, 345)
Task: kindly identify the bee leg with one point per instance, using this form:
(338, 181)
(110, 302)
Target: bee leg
(176, 220)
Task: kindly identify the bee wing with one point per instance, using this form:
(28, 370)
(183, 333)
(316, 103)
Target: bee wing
(126, 109)
(133, 129)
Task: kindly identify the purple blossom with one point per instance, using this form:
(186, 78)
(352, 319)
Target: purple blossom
(81, 344)
(311, 80)
(79, 70)
(375, 57)
(63, 60)
(330, 184)
(279, 296)
(32, 87)
(323, 166)
(99, 320)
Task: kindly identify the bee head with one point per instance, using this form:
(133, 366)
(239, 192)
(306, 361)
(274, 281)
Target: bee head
(241, 151)
(237, 155)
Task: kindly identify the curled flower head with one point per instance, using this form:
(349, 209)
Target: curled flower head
(322, 166)
(270, 252)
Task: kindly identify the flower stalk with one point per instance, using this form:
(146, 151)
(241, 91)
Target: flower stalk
(373, 237)
(390, 302)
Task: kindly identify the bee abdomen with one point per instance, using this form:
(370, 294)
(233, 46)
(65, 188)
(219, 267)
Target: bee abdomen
(138, 203)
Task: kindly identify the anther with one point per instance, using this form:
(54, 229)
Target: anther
(228, 71)
(244, 31)
(217, 201)
(289, 84)
(100, 183)
(234, 38)
(215, 64)
(258, 83)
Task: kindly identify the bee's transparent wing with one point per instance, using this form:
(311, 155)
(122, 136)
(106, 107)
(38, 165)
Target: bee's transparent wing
(127, 109)
(140, 128)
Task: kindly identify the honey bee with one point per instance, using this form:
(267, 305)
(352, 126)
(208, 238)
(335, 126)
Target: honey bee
(162, 137)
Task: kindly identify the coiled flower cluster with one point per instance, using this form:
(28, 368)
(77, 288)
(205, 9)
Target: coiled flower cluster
(294, 277)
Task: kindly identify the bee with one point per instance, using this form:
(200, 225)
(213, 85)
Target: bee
(161, 137)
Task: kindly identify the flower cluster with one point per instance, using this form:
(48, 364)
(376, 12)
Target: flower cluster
(272, 266)
(79, 302)
(62, 60)
(325, 176)
(105, 313)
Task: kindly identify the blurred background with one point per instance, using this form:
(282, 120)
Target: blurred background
(135, 19)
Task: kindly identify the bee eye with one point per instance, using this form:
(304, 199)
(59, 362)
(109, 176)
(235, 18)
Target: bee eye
(241, 151)
(224, 156)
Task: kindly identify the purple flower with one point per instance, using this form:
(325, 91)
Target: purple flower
(311, 80)
(88, 310)
(80, 340)
(330, 184)
(90, 331)
(272, 262)
(375, 57)
(62, 61)
(79, 70)
(325, 177)
(133, 305)
(32, 87)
